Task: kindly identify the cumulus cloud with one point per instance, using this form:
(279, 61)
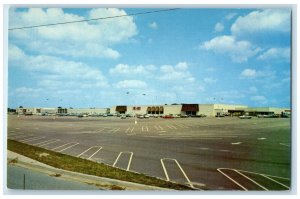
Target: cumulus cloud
(259, 99)
(127, 70)
(219, 27)
(249, 73)
(239, 51)
(263, 20)
(85, 39)
(56, 73)
(153, 25)
(275, 53)
(131, 84)
(177, 72)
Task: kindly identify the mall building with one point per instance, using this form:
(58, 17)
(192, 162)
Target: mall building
(209, 110)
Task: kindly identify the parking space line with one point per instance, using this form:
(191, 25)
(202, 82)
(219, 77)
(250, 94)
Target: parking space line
(99, 131)
(32, 139)
(251, 180)
(19, 136)
(45, 141)
(55, 140)
(129, 162)
(68, 147)
(263, 174)
(142, 128)
(89, 158)
(184, 174)
(127, 130)
(171, 127)
(219, 169)
(132, 129)
(275, 181)
(283, 144)
(161, 128)
(86, 151)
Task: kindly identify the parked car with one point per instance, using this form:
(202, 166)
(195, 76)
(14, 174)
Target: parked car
(123, 117)
(146, 116)
(183, 116)
(104, 115)
(140, 116)
(168, 116)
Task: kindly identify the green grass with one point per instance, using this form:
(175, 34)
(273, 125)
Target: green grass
(70, 163)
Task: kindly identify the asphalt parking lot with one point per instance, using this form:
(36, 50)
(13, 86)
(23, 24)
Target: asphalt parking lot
(205, 153)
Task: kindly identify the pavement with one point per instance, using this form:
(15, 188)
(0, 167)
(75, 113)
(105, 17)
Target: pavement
(203, 153)
(39, 176)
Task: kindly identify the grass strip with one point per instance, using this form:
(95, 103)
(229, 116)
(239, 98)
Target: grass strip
(70, 163)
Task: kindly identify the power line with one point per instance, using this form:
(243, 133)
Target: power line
(95, 19)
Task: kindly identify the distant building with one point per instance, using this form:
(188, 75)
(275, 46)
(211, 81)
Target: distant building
(209, 110)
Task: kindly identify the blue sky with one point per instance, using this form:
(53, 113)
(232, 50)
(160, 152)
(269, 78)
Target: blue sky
(234, 56)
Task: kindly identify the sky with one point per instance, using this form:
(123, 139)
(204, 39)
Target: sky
(230, 56)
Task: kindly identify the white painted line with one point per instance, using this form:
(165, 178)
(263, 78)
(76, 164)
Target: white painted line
(45, 141)
(171, 127)
(117, 159)
(68, 147)
(129, 162)
(50, 142)
(161, 128)
(116, 130)
(147, 128)
(263, 174)
(62, 146)
(132, 129)
(164, 168)
(142, 128)
(100, 130)
(275, 181)
(127, 130)
(19, 136)
(85, 151)
(131, 154)
(89, 158)
(17, 128)
(251, 180)
(261, 138)
(219, 169)
(32, 139)
(283, 144)
(184, 174)
(236, 143)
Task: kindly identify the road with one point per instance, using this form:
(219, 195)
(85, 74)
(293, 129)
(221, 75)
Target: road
(190, 151)
(39, 181)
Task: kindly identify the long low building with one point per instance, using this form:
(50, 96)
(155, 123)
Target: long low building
(175, 109)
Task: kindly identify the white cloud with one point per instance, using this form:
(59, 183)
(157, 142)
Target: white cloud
(85, 39)
(219, 27)
(127, 70)
(275, 53)
(239, 51)
(210, 80)
(263, 20)
(260, 99)
(56, 73)
(153, 25)
(249, 73)
(230, 16)
(131, 84)
(177, 72)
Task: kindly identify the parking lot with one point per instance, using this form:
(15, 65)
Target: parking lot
(205, 153)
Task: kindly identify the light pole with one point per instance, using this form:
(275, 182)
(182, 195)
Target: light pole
(135, 120)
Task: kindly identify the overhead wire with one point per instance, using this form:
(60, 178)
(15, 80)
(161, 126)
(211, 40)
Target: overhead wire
(94, 19)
